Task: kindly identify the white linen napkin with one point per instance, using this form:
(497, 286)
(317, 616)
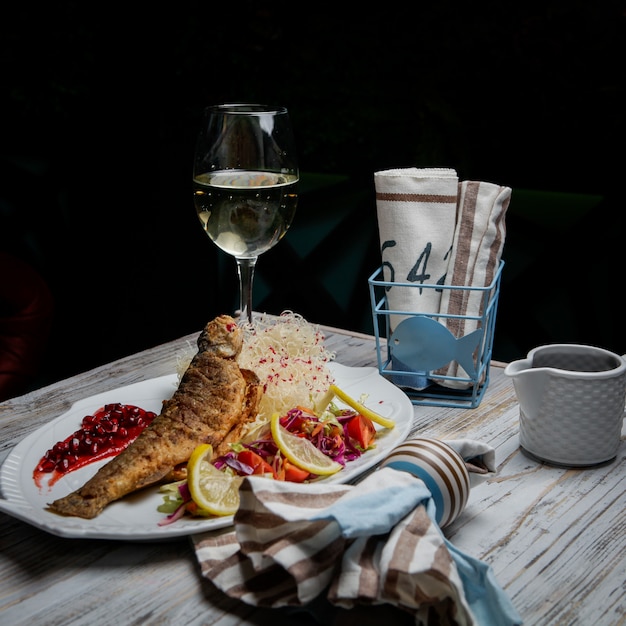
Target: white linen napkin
(416, 211)
(416, 217)
(371, 543)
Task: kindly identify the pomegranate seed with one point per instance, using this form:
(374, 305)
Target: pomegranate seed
(47, 465)
(108, 430)
(110, 427)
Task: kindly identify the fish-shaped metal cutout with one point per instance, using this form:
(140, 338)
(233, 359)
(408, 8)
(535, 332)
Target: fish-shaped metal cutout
(422, 344)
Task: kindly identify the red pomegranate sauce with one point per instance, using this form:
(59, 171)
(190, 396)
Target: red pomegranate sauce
(105, 433)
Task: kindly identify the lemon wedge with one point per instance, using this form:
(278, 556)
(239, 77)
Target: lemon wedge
(359, 408)
(214, 491)
(301, 451)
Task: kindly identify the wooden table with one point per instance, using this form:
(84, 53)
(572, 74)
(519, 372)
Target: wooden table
(555, 538)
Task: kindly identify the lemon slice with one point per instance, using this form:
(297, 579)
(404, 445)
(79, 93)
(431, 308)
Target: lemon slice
(359, 408)
(214, 491)
(301, 451)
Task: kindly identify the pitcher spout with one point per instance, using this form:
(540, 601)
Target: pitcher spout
(516, 368)
(529, 382)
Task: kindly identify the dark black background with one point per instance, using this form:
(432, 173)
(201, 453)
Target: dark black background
(101, 104)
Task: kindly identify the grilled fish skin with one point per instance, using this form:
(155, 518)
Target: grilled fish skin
(213, 400)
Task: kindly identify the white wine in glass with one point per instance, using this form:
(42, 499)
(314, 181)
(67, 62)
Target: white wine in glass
(245, 183)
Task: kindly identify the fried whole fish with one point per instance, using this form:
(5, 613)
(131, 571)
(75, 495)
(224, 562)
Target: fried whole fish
(213, 402)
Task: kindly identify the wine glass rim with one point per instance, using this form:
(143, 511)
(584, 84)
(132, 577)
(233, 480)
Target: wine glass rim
(246, 108)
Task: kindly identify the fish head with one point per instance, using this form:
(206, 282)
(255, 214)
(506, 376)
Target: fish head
(222, 337)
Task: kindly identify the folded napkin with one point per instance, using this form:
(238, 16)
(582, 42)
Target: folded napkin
(416, 211)
(372, 543)
(480, 458)
(476, 253)
(438, 231)
(416, 219)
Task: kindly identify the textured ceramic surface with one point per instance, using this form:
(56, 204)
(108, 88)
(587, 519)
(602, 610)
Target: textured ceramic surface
(441, 468)
(571, 400)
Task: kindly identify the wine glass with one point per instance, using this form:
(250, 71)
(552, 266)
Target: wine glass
(245, 184)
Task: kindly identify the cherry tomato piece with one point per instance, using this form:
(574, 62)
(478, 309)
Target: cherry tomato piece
(362, 430)
(293, 473)
(258, 464)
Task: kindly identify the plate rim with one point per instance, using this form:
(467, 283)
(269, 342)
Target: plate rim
(13, 470)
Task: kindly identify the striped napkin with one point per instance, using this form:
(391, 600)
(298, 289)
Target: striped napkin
(476, 252)
(367, 544)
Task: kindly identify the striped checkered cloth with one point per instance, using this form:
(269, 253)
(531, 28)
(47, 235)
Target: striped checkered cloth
(372, 543)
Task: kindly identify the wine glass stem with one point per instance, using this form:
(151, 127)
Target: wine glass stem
(245, 269)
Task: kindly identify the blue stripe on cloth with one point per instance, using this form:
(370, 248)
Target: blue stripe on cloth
(376, 511)
(488, 601)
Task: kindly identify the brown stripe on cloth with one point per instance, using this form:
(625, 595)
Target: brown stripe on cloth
(461, 273)
(275, 541)
(360, 576)
(369, 578)
(399, 585)
(416, 197)
(425, 576)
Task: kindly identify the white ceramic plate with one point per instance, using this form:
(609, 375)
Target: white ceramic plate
(135, 517)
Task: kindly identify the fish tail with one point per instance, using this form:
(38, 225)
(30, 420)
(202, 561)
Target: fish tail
(465, 347)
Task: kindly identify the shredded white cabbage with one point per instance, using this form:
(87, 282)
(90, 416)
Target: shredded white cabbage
(288, 355)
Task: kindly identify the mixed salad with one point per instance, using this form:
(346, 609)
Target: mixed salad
(341, 434)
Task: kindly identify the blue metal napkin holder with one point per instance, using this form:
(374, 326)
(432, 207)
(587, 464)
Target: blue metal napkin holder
(421, 345)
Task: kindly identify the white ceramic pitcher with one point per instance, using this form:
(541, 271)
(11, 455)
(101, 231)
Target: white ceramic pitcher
(571, 399)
